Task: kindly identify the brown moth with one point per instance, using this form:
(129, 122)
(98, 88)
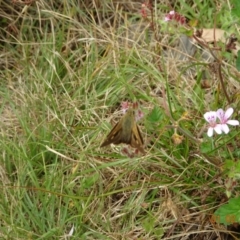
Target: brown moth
(126, 131)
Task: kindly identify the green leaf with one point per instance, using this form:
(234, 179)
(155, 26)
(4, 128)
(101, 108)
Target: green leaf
(238, 60)
(236, 8)
(206, 147)
(88, 182)
(232, 168)
(228, 213)
(155, 115)
(148, 223)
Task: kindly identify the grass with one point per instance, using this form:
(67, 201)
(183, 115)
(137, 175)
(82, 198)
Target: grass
(65, 70)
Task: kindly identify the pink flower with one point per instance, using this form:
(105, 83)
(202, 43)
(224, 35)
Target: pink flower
(143, 11)
(146, 7)
(211, 118)
(172, 15)
(223, 118)
(124, 106)
(138, 113)
(169, 16)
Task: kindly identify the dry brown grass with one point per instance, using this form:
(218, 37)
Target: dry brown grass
(66, 67)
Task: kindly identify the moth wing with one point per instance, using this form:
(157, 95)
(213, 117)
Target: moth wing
(114, 136)
(136, 139)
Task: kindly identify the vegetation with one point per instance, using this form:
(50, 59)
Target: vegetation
(66, 68)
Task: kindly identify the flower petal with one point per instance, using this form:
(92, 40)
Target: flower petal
(225, 128)
(124, 106)
(233, 122)
(166, 19)
(210, 132)
(220, 115)
(228, 113)
(139, 114)
(218, 128)
(210, 116)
